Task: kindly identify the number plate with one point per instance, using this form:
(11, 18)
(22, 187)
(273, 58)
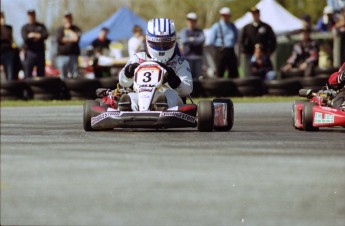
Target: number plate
(148, 76)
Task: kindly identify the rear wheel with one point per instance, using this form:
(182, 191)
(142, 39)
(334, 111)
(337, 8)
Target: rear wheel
(205, 115)
(230, 114)
(307, 117)
(87, 114)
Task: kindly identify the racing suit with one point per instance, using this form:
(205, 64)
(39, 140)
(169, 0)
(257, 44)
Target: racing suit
(337, 80)
(182, 69)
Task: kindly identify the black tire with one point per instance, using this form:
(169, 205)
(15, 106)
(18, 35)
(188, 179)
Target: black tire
(82, 88)
(108, 82)
(285, 87)
(250, 91)
(205, 115)
(293, 110)
(248, 81)
(220, 87)
(14, 90)
(307, 117)
(314, 81)
(197, 89)
(230, 115)
(87, 114)
(249, 86)
(45, 86)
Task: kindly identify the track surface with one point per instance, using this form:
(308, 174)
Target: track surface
(263, 172)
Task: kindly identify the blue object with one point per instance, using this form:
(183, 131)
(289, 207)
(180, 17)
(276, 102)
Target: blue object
(120, 26)
(229, 31)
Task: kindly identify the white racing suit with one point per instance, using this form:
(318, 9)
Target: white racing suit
(182, 70)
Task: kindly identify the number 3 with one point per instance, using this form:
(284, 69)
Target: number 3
(148, 77)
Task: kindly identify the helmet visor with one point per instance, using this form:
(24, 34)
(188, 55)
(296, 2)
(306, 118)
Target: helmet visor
(161, 46)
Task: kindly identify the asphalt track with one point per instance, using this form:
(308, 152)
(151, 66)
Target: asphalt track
(263, 172)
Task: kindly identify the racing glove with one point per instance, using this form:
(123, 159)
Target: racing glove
(170, 76)
(129, 70)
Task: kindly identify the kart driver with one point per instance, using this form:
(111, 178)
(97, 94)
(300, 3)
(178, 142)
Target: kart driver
(337, 81)
(161, 48)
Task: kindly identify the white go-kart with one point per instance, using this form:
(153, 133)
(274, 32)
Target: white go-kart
(113, 110)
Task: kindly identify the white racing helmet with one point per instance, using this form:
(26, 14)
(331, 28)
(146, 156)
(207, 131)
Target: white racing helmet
(161, 39)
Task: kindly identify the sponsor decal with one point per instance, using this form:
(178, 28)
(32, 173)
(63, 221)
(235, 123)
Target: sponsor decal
(179, 115)
(323, 118)
(145, 89)
(98, 118)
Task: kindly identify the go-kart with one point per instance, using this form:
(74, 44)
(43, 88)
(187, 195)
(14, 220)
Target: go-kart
(114, 110)
(317, 110)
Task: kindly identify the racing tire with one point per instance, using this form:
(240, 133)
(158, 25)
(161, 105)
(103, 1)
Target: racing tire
(14, 90)
(294, 110)
(205, 116)
(307, 117)
(219, 87)
(230, 115)
(108, 82)
(87, 114)
(51, 87)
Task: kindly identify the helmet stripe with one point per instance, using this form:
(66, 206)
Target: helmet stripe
(159, 26)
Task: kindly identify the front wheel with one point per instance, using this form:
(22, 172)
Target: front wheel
(205, 115)
(307, 117)
(87, 114)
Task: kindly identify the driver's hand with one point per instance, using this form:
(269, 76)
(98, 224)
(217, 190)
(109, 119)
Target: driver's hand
(171, 78)
(129, 70)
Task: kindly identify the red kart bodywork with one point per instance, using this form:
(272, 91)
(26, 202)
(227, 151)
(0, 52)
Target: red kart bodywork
(322, 116)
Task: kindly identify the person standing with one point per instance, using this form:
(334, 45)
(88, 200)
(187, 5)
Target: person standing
(34, 34)
(326, 22)
(68, 37)
(193, 39)
(101, 47)
(7, 50)
(223, 36)
(101, 43)
(256, 32)
(137, 41)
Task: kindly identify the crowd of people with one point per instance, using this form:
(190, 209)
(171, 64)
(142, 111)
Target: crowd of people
(257, 42)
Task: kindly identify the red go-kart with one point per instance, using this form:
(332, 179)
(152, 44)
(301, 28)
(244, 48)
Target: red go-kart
(317, 111)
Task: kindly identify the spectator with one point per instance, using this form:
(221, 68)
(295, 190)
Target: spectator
(101, 46)
(137, 41)
(306, 20)
(327, 21)
(339, 38)
(101, 43)
(192, 44)
(68, 37)
(34, 35)
(304, 56)
(261, 65)
(256, 32)
(223, 36)
(7, 49)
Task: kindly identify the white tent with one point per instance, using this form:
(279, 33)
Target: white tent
(272, 13)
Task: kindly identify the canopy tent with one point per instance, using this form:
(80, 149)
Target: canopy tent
(120, 26)
(272, 13)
